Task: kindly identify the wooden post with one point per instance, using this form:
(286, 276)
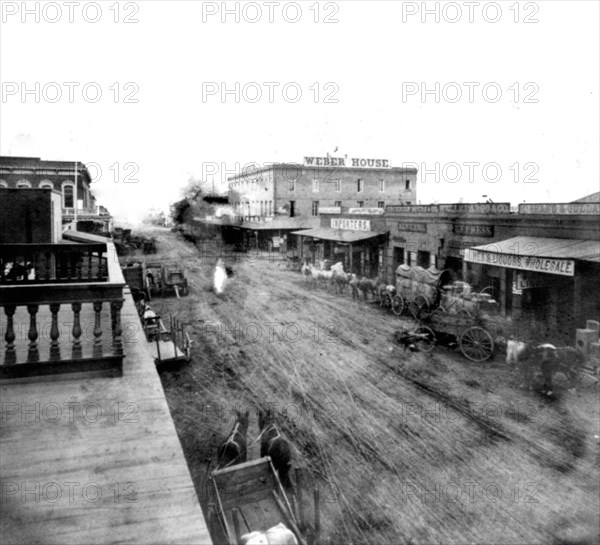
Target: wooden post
(236, 525)
(317, 517)
(301, 513)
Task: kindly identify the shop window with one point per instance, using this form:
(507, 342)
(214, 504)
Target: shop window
(315, 208)
(360, 203)
(338, 204)
(381, 204)
(423, 259)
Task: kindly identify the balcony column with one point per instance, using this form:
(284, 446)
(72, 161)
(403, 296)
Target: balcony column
(9, 337)
(115, 308)
(54, 333)
(98, 329)
(33, 352)
(77, 352)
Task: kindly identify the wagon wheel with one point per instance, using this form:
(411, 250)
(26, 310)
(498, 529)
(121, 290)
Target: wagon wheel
(419, 307)
(427, 343)
(476, 344)
(397, 304)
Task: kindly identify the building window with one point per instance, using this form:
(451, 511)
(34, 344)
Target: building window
(407, 185)
(338, 185)
(3, 184)
(359, 185)
(292, 209)
(23, 184)
(47, 183)
(68, 196)
(262, 208)
(315, 185)
(382, 185)
(315, 208)
(270, 208)
(408, 203)
(360, 203)
(380, 204)
(292, 185)
(338, 204)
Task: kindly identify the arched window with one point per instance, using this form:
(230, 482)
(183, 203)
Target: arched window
(23, 184)
(68, 199)
(46, 183)
(3, 184)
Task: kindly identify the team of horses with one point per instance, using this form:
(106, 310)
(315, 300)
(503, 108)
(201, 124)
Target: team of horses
(234, 450)
(339, 281)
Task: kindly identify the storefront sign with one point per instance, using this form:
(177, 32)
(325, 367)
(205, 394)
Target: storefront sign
(527, 281)
(564, 267)
(346, 162)
(473, 230)
(413, 227)
(462, 208)
(351, 225)
(366, 211)
(561, 208)
(330, 210)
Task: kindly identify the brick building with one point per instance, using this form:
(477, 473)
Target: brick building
(71, 179)
(273, 201)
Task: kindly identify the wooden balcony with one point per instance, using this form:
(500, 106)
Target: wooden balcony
(61, 309)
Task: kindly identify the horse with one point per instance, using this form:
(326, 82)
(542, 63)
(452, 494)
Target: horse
(273, 444)
(315, 275)
(234, 450)
(528, 356)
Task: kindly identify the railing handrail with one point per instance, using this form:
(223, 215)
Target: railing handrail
(94, 246)
(40, 294)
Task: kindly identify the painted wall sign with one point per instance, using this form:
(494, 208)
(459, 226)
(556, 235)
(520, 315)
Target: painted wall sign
(463, 208)
(330, 210)
(367, 211)
(564, 267)
(473, 230)
(347, 162)
(412, 227)
(350, 224)
(561, 208)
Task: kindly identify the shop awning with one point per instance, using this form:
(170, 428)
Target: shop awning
(337, 235)
(536, 254)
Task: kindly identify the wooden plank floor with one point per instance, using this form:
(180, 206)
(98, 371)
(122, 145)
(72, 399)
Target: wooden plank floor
(95, 460)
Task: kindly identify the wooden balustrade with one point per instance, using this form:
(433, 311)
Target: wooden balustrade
(53, 263)
(88, 298)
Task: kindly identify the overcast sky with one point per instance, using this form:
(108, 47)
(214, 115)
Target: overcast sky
(514, 94)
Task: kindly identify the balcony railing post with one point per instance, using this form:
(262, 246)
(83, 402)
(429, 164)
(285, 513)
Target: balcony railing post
(9, 336)
(116, 307)
(33, 352)
(54, 332)
(76, 331)
(98, 328)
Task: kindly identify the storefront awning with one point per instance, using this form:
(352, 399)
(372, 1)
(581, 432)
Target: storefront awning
(536, 254)
(337, 235)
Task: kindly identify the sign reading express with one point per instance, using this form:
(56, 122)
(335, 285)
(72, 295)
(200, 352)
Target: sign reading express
(350, 224)
(564, 267)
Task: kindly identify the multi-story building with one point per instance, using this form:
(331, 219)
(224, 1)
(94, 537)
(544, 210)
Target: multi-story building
(292, 190)
(71, 179)
(273, 201)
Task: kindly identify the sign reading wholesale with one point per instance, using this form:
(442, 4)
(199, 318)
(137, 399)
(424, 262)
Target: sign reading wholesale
(565, 267)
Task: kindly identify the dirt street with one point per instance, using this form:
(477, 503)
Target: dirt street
(404, 447)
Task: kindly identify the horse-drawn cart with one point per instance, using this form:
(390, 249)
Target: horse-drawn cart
(173, 279)
(167, 345)
(248, 497)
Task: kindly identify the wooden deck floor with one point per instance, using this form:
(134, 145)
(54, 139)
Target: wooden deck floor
(95, 460)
